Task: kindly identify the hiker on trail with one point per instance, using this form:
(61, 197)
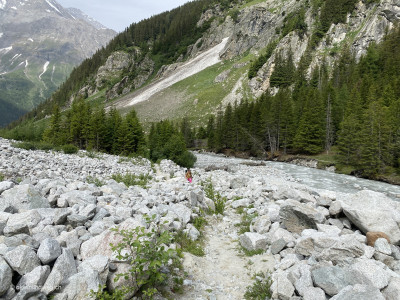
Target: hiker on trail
(188, 175)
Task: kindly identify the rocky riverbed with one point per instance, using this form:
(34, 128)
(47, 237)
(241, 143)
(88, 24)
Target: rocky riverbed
(55, 228)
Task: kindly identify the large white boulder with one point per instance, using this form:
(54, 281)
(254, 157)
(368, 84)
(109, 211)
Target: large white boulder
(372, 211)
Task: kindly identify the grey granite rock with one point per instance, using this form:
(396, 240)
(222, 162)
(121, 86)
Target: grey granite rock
(79, 285)
(49, 251)
(332, 279)
(277, 246)
(253, 241)
(373, 271)
(34, 279)
(22, 259)
(367, 209)
(97, 263)
(24, 197)
(359, 292)
(382, 245)
(64, 268)
(392, 291)
(21, 222)
(296, 216)
(5, 276)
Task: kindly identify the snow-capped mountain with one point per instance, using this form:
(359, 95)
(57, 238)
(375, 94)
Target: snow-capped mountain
(40, 43)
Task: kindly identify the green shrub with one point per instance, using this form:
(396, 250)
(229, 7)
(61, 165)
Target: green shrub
(251, 252)
(145, 251)
(199, 223)
(2, 176)
(187, 245)
(97, 182)
(70, 149)
(216, 197)
(261, 289)
(131, 179)
(25, 145)
(244, 225)
(34, 146)
(45, 146)
(234, 13)
(262, 59)
(186, 159)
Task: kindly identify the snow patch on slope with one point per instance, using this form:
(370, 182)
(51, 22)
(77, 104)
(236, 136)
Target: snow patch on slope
(3, 4)
(195, 65)
(5, 50)
(15, 57)
(1, 34)
(44, 69)
(55, 8)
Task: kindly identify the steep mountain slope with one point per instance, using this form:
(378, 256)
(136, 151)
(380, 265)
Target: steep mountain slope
(309, 32)
(40, 43)
(258, 37)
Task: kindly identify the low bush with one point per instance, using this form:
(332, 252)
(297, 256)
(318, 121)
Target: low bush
(70, 149)
(194, 247)
(34, 146)
(149, 258)
(215, 196)
(97, 182)
(130, 179)
(244, 225)
(261, 289)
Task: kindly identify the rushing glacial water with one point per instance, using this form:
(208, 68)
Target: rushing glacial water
(325, 180)
(313, 178)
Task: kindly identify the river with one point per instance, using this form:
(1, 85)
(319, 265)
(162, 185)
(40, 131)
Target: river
(313, 178)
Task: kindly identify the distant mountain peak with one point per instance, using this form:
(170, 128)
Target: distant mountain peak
(3, 4)
(40, 43)
(78, 14)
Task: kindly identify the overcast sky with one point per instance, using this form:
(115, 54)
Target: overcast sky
(119, 14)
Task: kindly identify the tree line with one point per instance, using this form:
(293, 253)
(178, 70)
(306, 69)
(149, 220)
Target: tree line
(356, 109)
(109, 132)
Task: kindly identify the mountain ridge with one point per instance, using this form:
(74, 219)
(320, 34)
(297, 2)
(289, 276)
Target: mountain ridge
(40, 43)
(252, 26)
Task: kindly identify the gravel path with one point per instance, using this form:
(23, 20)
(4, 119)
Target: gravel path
(224, 272)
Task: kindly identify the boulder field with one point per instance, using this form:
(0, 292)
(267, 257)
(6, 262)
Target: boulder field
(55, 227)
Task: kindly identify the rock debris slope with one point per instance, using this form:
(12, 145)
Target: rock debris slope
(55, 228)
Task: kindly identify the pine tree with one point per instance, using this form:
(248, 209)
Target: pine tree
(53, 133)
(310, 132)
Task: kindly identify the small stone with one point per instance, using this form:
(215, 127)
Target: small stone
(383, 246)
(335, 208)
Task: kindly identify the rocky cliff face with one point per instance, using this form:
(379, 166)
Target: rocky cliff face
(40, 43)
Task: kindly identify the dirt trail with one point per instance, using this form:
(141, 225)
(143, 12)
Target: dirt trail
(224, 272)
